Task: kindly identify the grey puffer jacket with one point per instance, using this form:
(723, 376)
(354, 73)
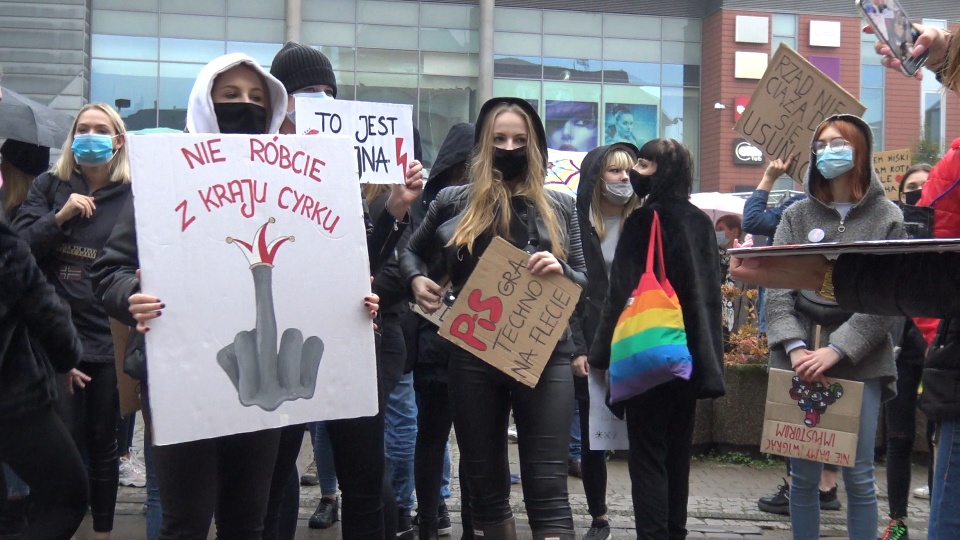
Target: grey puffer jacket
(864, 339)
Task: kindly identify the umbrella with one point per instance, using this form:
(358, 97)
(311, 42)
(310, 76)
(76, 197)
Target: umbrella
(563, 171)
(716, 204)
(25, 120)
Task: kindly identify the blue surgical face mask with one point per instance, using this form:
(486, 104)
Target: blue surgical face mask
(292, 115)
(92, 149)
(833, 163)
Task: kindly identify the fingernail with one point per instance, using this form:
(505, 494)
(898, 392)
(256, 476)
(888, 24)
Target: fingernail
(159, 313)
(918, 50)
(162, 306)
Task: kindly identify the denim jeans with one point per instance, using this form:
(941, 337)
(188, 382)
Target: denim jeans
(154, 511)
(858, 481)
(323, 454)
(575, 444)
(445, 483)
(944, 519)
(16, 487)
(400, 439)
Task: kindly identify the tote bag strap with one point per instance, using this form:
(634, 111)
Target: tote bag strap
(655, 248)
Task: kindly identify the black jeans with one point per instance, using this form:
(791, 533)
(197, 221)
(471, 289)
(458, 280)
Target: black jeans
(481, 398)
(593, 463)
(901, 414)
(38, 447)
(91, 415)
(660, 429)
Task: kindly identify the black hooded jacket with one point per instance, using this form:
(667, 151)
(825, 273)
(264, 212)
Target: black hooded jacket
(451, 159)
(37, 337)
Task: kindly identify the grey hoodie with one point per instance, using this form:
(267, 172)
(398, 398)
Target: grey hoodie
(864, 339)
(200, 115)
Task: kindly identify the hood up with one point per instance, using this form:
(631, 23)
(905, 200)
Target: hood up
(814, 174)
(590, 172)
(456, 149)
(200, 115)
(527, 108)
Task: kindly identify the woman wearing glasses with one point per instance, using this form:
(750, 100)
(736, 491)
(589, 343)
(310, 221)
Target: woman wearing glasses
(846, 203)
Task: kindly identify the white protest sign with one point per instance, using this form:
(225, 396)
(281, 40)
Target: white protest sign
(380, 134)
(607, 432)
(257, 246)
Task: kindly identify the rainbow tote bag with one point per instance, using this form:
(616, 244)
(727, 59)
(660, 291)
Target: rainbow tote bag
(649, 342)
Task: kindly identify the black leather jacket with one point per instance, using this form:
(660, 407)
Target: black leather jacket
(427, 253)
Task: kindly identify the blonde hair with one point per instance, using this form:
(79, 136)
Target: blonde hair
(488, 206)
(16, 184)
(372, 191)
(119, 165)
(618, 159)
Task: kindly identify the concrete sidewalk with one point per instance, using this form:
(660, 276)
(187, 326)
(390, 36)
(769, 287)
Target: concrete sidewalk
(722, 504)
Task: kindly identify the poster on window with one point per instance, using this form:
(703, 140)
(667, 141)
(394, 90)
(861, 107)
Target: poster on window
(257, 246)
(572, 125)
(634, 124)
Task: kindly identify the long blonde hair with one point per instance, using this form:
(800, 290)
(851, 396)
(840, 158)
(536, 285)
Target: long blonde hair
(16, 185)
(617, 159)
(951, 72)
(119, 165)
(488, 206)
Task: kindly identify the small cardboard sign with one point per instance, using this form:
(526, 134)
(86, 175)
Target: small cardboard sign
(788, 104)
(810, 422)
(890, 166)
(437, 317)
(607, 432)
(381, 133)
(508, 317)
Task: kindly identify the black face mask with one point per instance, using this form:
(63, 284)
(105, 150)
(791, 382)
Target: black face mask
(640, 183)
(912, 197)
(511, 163)
(246, 118)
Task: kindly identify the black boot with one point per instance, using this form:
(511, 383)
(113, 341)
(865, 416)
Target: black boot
(505, 530)
(428, 529)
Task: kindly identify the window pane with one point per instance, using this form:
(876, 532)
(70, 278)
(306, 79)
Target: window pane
(681, 75)
(932, 117)
(572, 115)
(263, 53)
(572, 23)
(124, 22)
(680, 119)
(125, 5)
(126, 47)
(342, 58)
(784, 25)
(192, 7)
(387, 37)
(448, 16)
(330, 10)
(631, 115)
(346, 84)
(379, 12)
(192, 26)
(190, 50)
(528, 90)
(572, 47)
(111, 80)
(444, 101)
(440, 39)
(631, 73)
(387, 61)
(569, 69)
(263, 30)
(261, 9)
(520, 44)
(388, 88)
(517, 67)
(872, 99)
(323, 33)
(176, 81)
(464, 65)
(867, 54)
(676, 52)
(631, 50)
(776, 41)
(631, 26)
(518, 20)
(871, 76)
(681, 29)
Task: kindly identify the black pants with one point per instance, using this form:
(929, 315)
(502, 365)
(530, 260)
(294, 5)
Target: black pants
(481, 398)
(434, 420)
(593, 463)
(91, 416)
(660, 430)
(39, 448)
(126, 426)
(901, 414)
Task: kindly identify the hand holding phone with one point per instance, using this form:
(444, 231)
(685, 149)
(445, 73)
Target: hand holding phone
(892, 27)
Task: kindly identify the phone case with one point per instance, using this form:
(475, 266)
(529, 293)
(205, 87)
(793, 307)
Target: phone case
(903, 34)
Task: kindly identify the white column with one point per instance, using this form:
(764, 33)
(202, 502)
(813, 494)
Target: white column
(486, 50)
(294, 20)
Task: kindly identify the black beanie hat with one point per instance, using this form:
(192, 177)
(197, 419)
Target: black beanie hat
(527, 108)
(299, 66)
(29, 158)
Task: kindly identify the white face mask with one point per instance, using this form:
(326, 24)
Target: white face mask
(722, 238)
(619, 193)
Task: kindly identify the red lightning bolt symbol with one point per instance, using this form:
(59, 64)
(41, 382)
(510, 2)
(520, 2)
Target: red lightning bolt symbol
(401, 158)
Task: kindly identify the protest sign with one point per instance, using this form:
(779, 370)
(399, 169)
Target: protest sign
(508, 317)
(563, 171)
(809, 421)
(381, 134)
(890, 166)
(437, 317)
(607, 432)
(257, 246)
(788, 104)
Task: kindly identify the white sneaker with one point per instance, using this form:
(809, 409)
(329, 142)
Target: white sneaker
(132, 472)
(512, 434)
(922, 493)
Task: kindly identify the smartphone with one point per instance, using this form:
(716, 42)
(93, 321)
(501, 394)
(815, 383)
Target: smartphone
(892, 26)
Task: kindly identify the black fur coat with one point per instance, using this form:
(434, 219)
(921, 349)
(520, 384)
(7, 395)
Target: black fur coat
(693, 267)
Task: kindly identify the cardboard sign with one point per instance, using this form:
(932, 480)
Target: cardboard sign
(127, 386)
(381, 134)
(890, 166)
(808, 422)
(257, 246)
(438, 316)
(607, 432)
(789, 103)
(508, 317)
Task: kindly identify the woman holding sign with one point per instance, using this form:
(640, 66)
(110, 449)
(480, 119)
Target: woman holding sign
(505, 197)
(845, 203)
